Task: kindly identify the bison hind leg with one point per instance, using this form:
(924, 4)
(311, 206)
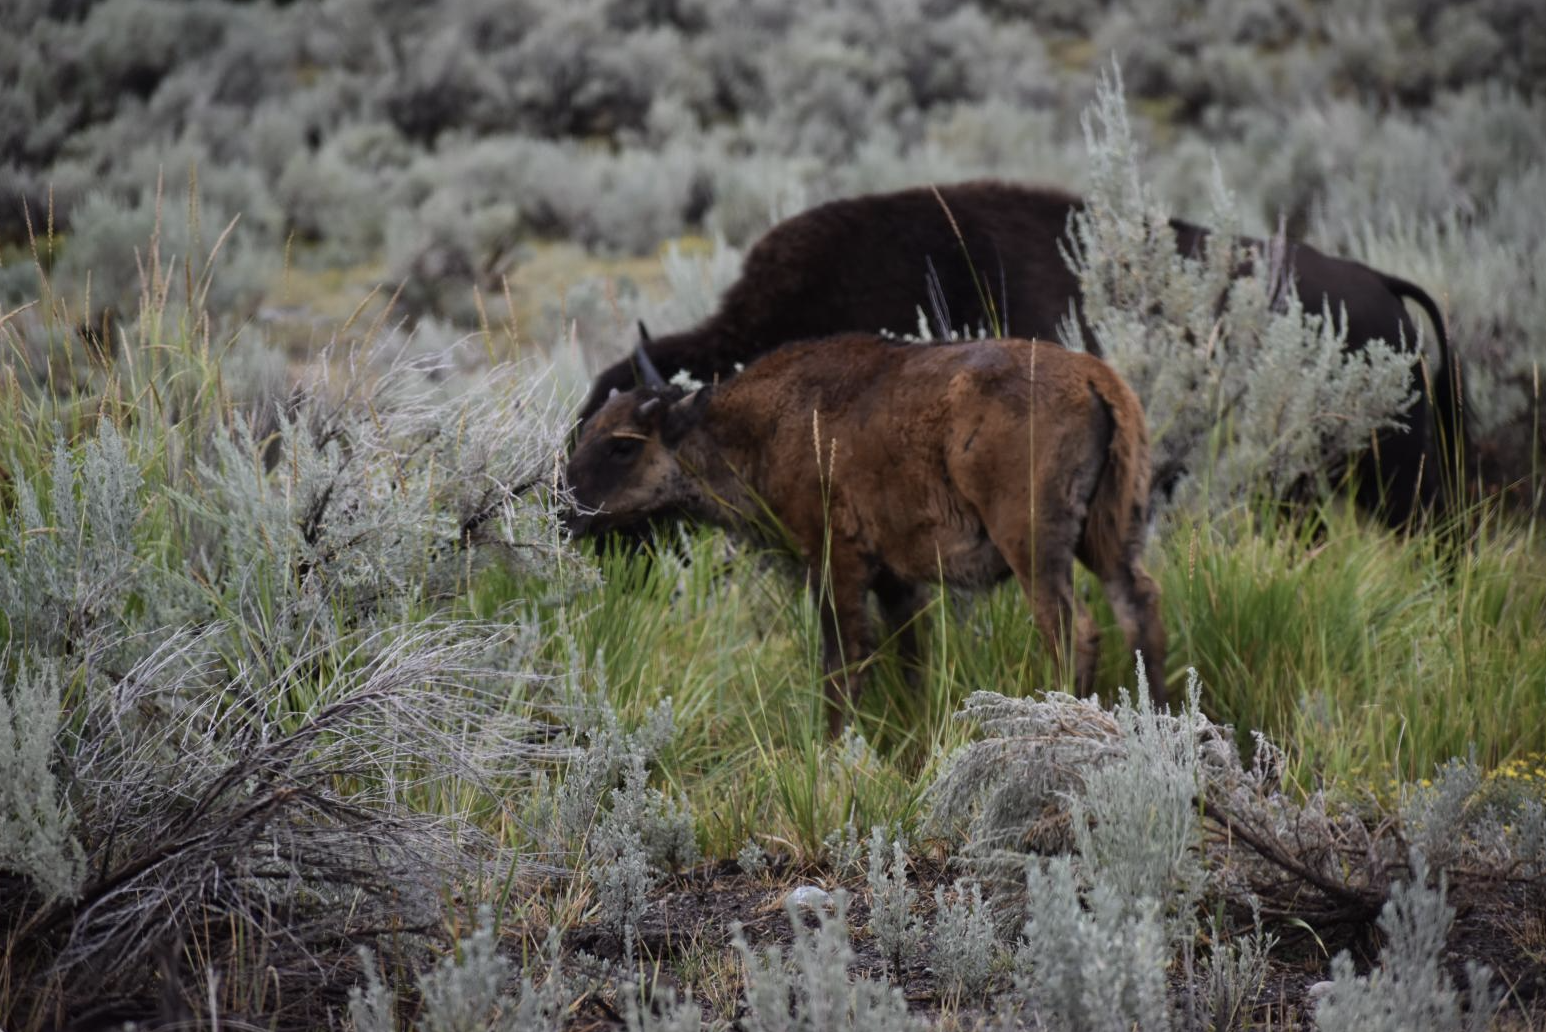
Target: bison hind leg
(1134, 598)
(1059, 617)
(1043, 563)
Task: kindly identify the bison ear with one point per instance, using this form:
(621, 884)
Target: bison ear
(685, 414)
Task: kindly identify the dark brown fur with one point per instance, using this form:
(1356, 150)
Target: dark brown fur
(861, 265)
(886, 467)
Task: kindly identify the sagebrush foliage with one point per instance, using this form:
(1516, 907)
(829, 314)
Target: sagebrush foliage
(1134, 820)
(468, 990)
(1057, 775)
(963, 946)
(896, 929)
(374, 495)
(37, 839)
(1244, 389)
(1092, 960)
(234, 725)
(199, 789)
(1125, 820)
(71, 563)
(1232, 978)
(1410, 989)
(808, 989)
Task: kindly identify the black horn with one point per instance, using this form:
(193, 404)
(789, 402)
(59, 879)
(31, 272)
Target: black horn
(641, 358)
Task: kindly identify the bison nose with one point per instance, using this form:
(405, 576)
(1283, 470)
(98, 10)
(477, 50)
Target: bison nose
(577, 523)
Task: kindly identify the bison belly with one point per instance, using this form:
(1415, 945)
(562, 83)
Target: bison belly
(938, 539)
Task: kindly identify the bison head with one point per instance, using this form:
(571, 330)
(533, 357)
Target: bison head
(625, 466)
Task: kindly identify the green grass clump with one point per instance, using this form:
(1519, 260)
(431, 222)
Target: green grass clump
(1372, 655)
(1369, 655)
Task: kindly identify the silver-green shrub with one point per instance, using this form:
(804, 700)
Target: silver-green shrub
(1008, 790)
(963, 946)
(598, 766)
(620, 869)
(1232, 979)
(752, 858)
(37, 826)
(896, 928)
(1135, 819)
(1103, 923)
(664, 1011)
(1410, 989)
(376, 489)
(808, 989)
(468, 990)
(1243, 388)
(108, 260)
(1526, 840)
(215, 796)
(843, 849)
(1438, 818)
(1092, 960)
(605, 817)
(466, 993)
(696, 281)
(1117, 787)
(69, 567)
(642, 834)
(1485, 268)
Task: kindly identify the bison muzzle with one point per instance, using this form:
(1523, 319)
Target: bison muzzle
(886, 467)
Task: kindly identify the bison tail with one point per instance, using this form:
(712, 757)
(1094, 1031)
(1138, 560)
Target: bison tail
(1445, 382)
(1118, 517)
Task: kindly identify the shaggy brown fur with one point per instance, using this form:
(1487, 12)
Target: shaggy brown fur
(886, 467)
(862, 264)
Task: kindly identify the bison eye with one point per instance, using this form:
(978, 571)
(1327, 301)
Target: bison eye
(624, 449)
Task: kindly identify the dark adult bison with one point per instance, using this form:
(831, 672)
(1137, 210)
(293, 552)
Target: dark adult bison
(887, 468)
(862, 264)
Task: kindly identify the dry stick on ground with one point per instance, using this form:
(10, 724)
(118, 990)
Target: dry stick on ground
(1358, 904)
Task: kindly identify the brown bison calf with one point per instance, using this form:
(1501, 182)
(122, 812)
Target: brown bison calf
(890, 466)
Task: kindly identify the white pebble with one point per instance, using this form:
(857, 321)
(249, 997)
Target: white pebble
(809, 897)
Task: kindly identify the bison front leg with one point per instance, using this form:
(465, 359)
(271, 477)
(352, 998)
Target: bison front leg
(901, 602)
(847, 640)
